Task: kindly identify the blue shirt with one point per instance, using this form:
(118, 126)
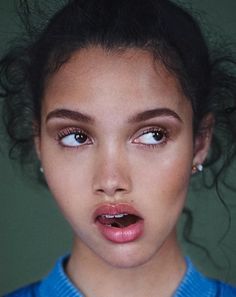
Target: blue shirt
(57, 284)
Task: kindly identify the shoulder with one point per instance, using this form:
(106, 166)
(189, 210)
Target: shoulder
(55, 284)
(225, 290)
(28, 291)
(195, 284)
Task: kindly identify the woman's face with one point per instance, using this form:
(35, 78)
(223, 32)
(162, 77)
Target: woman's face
(116, 145)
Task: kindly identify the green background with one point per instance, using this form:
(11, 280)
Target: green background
(33, 233)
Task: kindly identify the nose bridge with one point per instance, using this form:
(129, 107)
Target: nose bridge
(111, 174)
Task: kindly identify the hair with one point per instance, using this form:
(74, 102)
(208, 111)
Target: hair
(161, 27)
(206, 72)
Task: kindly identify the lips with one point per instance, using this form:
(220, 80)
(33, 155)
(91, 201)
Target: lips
(119, 223)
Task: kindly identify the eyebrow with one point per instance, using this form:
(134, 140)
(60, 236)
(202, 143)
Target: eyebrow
(140, 117)
(69, 114)
(152, 113)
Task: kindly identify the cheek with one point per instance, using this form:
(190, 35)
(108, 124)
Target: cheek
(67, 176)
(71, 194)
(163, 191)
(171, 167)
(165, 176)
(176, 173)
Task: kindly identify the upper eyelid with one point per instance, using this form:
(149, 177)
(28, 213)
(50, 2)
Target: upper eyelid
(154, 129)
(151, 129)
(56, 126)
(69, 131)
(165, 124)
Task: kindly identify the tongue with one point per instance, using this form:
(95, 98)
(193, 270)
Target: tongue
(118, 222)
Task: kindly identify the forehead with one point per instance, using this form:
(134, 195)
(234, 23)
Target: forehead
(130, 76)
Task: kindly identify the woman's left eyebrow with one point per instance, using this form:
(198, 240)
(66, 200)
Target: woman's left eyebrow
(152, 113)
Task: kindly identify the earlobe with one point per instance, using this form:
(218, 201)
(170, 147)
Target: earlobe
(203, 139)
(37, 145)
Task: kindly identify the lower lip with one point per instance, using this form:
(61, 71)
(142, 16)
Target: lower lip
(122, 235)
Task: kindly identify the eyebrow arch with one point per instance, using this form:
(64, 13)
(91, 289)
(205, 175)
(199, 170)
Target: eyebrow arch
(69, 114)
(152, 113)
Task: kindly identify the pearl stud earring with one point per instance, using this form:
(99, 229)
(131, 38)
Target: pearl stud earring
(197, 168)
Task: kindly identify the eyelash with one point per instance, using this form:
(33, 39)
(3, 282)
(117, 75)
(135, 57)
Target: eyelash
(76, 131)
(164, 131)
(70, 131)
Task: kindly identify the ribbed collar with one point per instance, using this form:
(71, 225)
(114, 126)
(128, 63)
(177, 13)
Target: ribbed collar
(57, 283)
(194, 284)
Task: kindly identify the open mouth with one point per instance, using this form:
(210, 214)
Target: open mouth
(120, 223)
(118, 220)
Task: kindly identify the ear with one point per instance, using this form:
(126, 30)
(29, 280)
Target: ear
(37, 140)
(203, 139)
(37, 146)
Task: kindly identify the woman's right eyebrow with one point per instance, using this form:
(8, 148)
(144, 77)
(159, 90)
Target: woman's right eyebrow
(69, 114)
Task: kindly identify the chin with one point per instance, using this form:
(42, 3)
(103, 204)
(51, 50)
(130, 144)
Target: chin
(127, 256)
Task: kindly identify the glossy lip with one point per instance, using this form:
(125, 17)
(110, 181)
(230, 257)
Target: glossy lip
(119, 235)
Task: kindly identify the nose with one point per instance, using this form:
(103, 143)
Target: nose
(112, 175)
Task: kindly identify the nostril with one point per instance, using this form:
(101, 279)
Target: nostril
(120, 190)
(110, 191)
(111, 184)
(100, 191)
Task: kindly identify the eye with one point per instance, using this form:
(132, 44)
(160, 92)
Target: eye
(152, 136)
(73, 138)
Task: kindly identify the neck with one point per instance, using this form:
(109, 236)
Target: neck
(160, 276)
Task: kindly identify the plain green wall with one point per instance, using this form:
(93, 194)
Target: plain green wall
(33, 233)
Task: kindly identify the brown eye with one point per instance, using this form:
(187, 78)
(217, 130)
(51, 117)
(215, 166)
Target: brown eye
(158, 135)
(81, 137)
(72, 138)
(152, 137)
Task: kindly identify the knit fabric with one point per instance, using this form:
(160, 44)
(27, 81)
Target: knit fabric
(57, 284)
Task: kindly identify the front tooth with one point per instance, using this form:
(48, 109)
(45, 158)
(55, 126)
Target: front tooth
(117, 216)
(109, 216)
(120, 215)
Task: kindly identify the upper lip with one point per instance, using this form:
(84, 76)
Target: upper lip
(115, 209)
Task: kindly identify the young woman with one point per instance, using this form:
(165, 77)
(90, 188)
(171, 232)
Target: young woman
(118, 99)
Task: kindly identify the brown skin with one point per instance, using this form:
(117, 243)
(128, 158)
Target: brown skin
(117, 163)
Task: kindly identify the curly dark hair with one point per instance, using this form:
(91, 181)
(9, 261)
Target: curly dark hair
(205, 70)
(168, 31)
